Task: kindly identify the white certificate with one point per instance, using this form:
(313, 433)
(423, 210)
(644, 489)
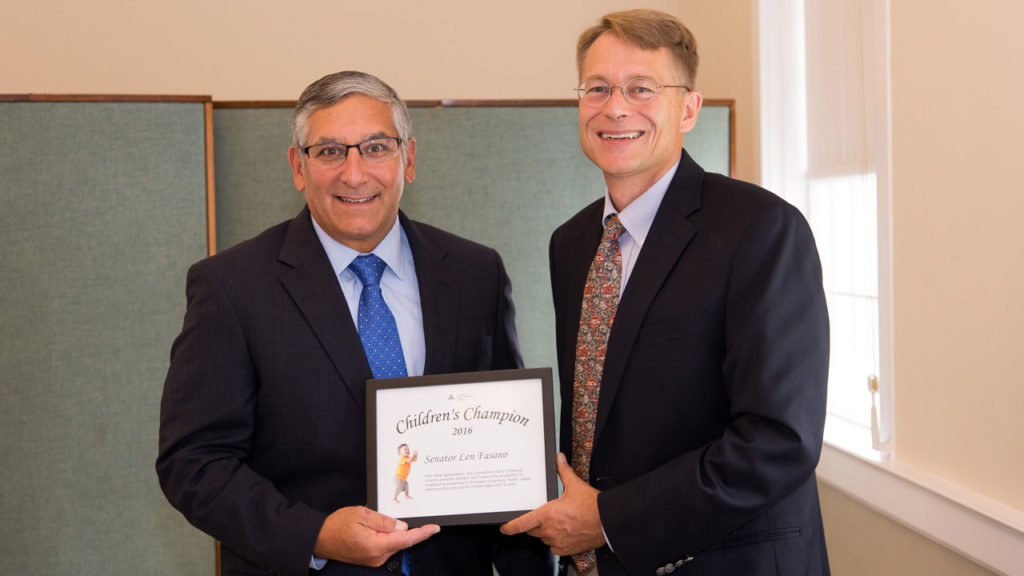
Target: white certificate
(469, 448)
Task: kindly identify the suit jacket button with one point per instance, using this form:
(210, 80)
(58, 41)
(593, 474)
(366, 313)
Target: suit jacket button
(660, 571)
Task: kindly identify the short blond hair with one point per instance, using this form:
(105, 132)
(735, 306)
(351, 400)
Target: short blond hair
(648, 30)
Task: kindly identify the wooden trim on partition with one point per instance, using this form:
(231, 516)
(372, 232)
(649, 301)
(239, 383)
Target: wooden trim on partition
(732, 128)
(211, 204)
(424, 103)
(551, 103)
(102, 98)
(254, 104)
(291, 103)
(444, 103)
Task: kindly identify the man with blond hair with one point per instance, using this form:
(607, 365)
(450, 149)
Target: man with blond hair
(692, 340)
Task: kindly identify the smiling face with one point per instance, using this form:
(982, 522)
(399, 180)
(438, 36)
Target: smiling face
(355, 203)
(634, 145)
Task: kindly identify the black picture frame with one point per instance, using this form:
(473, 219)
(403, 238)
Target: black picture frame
(459, 401)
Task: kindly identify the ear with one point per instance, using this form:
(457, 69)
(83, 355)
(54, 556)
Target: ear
(410, 161)
(298, 170)
(691, 109)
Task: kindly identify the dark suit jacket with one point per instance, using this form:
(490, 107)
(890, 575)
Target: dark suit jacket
(712, 404)
(262, 419)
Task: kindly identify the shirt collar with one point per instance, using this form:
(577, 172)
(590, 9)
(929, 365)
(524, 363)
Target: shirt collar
(639, 215)
(389, 250)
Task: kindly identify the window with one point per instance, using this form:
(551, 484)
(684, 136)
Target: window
(842, 212)
(825, 148)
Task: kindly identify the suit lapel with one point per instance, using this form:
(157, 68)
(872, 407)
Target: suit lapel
(438, 297)
(315, 290)
(668, 237)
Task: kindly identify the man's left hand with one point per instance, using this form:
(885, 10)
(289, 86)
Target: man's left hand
(569, 525)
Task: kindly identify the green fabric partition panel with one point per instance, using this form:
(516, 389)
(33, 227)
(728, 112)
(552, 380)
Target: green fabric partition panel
(252, 176)
(104, 207)
(505, 176)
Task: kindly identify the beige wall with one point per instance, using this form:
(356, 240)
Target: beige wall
(862, 542)
(958, 249)
(727, 44)
(271, 50)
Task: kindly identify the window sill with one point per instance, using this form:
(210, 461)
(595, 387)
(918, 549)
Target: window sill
(984, 530)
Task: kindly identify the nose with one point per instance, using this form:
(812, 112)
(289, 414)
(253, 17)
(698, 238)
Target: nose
(616, 106)
(352, 169)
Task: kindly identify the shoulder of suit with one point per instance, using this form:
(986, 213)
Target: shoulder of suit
(265, 245)
(742, 205)
(719, 188)
(718, 183)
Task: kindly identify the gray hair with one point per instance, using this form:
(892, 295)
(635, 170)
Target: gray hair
(333, 88)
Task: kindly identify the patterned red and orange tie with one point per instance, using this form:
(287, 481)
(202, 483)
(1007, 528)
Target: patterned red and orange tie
(600, 299)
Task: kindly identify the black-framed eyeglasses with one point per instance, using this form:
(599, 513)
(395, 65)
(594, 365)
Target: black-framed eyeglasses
(378, 149)
(636, 91)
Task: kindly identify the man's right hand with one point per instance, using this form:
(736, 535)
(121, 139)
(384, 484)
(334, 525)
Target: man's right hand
(358, 535)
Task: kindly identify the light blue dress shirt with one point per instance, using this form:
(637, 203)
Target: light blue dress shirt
(398, 285)
(637, 219)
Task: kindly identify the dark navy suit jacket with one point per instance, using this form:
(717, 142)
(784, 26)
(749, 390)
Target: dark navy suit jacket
(262, 424)
(712, 404)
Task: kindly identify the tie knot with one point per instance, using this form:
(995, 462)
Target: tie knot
(368, 268)
(613, 229)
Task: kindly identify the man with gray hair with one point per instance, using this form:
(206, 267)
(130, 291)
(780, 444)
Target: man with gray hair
(262, 423)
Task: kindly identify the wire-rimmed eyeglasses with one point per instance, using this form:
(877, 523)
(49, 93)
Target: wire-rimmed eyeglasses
(636, 91)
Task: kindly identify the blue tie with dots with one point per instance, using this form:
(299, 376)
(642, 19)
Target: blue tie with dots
(379, 335)
(377, 328)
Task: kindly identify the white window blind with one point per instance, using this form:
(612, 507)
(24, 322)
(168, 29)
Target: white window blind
(825, 148)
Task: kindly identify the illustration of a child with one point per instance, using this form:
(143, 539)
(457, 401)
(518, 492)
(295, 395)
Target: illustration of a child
(402, 470)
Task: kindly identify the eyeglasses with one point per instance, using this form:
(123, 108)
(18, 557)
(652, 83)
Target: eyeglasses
(636, 91)
(378, 149)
